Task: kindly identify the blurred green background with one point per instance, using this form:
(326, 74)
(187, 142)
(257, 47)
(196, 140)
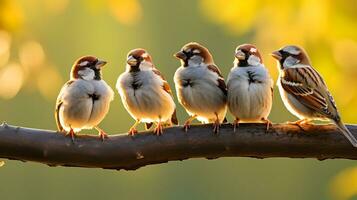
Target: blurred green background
(40, 40)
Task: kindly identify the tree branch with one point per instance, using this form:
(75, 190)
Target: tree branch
(130, 153)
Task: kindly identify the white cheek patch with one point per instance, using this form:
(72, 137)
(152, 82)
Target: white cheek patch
(145, 55)
(144, 66)
(253, 60)
(195, 60)
(253, 50)
(86, 74)
(83, 63)
(290, 61)
(292, 50)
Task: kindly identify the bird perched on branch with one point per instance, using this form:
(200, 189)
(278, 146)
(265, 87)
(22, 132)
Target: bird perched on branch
(200, 86)
(250, 88)
(303, 90)
(145, 93)
(84, 100)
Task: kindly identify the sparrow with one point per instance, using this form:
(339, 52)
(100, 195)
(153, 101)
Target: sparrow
(84, 100)
(250, 87)
(145, 93)
(200, 87)
(304, 91)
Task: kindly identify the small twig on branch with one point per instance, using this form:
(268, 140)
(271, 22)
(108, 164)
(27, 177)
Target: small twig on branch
(130, 153)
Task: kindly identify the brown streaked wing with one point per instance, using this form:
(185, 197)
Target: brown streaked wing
(220, 81)
(148, 125)
(166, 85)
(174, 119)
(215, 69)
(306, 90)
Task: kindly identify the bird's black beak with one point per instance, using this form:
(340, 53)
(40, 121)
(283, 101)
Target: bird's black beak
(132, 61)
(180, 55)
(277, 55)
(100, 64)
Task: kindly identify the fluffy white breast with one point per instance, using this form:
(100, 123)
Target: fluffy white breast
(253, 60)
(78, 109)
(143, 96)
(249, 100)
(201, 96)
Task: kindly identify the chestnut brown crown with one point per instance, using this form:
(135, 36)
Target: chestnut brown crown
(136, 56)
(192, 49)
(90, 62)
(292, 51)
(244, 51)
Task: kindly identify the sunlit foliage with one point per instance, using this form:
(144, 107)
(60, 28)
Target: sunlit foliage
(30, 66)
(324, 28)
(344, 185)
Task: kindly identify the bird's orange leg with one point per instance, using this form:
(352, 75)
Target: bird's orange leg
(216, 125)
(267, 123)
(132, 131)
(101, 133)
(235, 124)
(71, 134)
(187, 123)
(301, 122)
(158, 129)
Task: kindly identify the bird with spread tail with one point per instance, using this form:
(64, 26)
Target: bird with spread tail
(200, 87)
(84, 100)
(250, 87)
(304, 91)
(145, 93)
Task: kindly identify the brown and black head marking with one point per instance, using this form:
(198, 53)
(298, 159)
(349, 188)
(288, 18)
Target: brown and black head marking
(293, 51)
(90, 62)
(191, 49)
(244, 51)
(136, 57)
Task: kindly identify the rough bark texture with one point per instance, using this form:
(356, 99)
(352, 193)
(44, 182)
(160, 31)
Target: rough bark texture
(130, 153)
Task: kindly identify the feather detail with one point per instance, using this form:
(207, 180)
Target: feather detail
(148, 125)
(346, 132)
(220, 81)
(165, 85)
(59, 104)
(174, 118)
(307, 85)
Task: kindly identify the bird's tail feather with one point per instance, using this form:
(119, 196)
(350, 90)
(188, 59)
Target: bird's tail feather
(346, 132)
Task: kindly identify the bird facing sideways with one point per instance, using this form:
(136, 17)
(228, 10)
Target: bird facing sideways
(145, 93)
(200, 87)
(84, 100)
(304, 91)
(250, 87)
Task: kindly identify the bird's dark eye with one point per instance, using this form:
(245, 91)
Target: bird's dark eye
(284, 54)
(188, 54)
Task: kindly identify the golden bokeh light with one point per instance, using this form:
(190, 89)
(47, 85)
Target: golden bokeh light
(2, 163)
(125, 11)
(56, 6)
(31, 55)
(11, 15)
(49, 82)
(5, 43)
(11, 79)
(344, 52)
(344, 184)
